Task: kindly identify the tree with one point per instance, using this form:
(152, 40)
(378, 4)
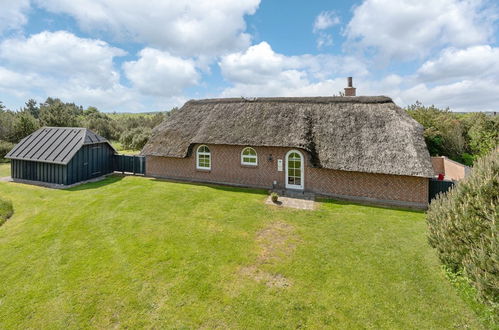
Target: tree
(100, 123)
(136, 138)
(32, 108)
(482, 133)
(24, 125)
(444, 133)
(56, 113)
(7, 118)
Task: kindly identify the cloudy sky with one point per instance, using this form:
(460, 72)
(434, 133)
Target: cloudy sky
(128, 55)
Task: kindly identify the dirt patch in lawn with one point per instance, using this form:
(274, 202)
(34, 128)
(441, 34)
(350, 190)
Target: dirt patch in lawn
(276, 243)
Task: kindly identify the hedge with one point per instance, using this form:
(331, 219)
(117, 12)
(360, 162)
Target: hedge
(463, 226)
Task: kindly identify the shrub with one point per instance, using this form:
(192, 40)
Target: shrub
(463, 226)
(6, 210)
(136, 138)
(5, 147)
(274, 196)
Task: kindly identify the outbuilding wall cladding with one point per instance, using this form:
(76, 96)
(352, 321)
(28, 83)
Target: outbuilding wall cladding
(92, 160)
(226, 168)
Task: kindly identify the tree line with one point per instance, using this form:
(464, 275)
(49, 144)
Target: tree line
(461, 137)
(131, 130)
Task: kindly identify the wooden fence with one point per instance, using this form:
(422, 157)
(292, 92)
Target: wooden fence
(438, 186)
(129, 164)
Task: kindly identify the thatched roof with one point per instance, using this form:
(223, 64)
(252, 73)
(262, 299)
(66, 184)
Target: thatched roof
(363, 134)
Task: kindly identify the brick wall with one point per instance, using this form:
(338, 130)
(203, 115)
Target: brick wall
(226, 168)
(450, 169)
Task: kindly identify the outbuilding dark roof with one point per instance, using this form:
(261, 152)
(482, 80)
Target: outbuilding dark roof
(362, 134)
(55, 145)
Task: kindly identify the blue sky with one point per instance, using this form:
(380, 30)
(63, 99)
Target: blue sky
(130, 56)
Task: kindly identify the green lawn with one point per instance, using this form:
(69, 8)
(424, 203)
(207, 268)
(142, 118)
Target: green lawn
(4, 169)
(141, 253)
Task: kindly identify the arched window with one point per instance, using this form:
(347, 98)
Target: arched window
(249, 157)
(203, 158)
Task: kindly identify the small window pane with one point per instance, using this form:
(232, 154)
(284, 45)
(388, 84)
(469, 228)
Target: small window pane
(203, 157)
(249, 156)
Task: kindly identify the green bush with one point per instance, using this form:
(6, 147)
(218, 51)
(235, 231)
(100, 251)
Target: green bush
(6, 210)
(5, 147)
(463, 226)
(136, 138)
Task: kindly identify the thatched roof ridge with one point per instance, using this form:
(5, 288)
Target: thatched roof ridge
(363, 134)
(319, 99)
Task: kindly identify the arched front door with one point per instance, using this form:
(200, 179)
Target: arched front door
(294, 170)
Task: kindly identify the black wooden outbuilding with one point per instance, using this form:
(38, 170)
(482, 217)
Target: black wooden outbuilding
(61, 155)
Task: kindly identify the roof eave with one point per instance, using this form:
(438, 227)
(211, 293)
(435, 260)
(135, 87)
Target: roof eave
(37, 160)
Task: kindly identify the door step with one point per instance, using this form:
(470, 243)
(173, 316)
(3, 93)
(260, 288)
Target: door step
(295, 194)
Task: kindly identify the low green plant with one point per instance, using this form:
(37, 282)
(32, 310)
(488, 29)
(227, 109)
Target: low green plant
(463, 226)
(487, 314)
(6, 210)
(274, 197)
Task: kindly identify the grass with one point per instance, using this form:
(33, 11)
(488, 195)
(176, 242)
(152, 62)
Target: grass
(4, 169)
(141, 253)
(6, 210)
(487, 314)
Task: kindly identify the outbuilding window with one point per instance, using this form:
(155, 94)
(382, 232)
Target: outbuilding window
(249, 157)
(203, 158)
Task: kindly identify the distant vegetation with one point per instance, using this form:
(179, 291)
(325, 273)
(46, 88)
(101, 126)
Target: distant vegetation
(129, 131)
(461, 137)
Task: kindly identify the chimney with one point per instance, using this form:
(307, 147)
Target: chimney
(350, 90)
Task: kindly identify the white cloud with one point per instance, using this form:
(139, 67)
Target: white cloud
(472, 62)
(465, 95)
(63, 65)
(12, 14)
(259, 71)
(324, 40)
(62, 54)
(161, 74)
(182, 27)
(462, 79)
(324, 21)
(407, 29)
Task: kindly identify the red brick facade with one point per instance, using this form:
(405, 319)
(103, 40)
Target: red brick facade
(226, 168)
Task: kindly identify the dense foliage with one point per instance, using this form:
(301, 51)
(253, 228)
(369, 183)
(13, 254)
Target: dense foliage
(464, 228)
(461, 137)
(5, 147)
(131, 130)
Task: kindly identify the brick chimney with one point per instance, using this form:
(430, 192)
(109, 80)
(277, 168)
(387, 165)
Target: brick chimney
(350, 90)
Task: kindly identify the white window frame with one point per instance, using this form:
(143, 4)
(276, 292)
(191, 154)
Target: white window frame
(204, 153)
(255, 157)
(302, 168)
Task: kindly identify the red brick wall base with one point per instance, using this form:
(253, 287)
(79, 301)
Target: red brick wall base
(226, 168)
